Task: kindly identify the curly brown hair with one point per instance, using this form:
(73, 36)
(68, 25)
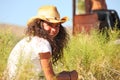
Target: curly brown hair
(57, 43)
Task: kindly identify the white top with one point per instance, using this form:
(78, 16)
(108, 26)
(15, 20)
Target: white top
(27, 50)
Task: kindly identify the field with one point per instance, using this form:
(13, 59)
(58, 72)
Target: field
(95, 56)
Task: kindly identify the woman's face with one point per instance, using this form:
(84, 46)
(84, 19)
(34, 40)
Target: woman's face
(51, 28)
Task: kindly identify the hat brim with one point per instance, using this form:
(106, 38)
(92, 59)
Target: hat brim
(62, 20)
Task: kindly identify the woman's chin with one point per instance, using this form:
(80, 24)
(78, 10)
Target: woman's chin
(52, 36)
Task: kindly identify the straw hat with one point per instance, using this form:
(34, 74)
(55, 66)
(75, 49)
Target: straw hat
(49, 14)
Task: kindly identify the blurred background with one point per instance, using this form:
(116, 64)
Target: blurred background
(17, 12)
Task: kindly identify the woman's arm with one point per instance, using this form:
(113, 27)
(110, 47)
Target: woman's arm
(48, 69)
(45, 59)
(47, 65)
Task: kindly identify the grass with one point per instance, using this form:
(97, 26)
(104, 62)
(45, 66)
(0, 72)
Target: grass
(94, 56)
(7, 42)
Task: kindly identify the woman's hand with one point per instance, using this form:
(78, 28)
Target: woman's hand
(64, 75)
(67, 75)
(74, 75)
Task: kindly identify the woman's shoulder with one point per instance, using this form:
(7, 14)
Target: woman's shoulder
(32, 40)
(40, 44)
(39, 40)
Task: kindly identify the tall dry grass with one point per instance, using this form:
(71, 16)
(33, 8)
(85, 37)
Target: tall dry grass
(7, 42)
(95, 56)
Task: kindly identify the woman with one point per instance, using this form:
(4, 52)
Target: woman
(43, 47)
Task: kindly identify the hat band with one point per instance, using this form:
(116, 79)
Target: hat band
(54, 18)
